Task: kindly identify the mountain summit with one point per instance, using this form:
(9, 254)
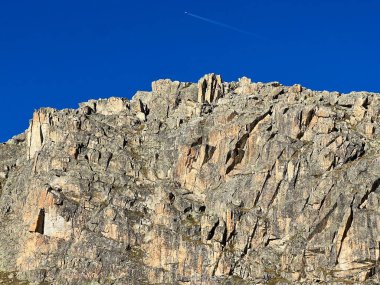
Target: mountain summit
(196, 183)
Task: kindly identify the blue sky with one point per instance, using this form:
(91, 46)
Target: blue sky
(59, 53)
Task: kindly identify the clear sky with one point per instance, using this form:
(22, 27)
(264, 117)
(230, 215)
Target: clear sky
(59, 53)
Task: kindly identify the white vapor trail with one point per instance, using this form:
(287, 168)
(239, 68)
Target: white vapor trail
(220, 24)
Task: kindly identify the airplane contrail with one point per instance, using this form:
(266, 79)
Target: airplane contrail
(220, 24)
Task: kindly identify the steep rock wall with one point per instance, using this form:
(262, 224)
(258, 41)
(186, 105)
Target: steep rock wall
(208, 183)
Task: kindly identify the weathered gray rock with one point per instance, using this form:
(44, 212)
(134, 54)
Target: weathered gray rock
(208, 183)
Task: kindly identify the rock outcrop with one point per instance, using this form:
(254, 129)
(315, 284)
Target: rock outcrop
(210, 88)
(209, 183)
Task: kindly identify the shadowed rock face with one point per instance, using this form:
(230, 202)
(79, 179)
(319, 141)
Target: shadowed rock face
(196, 183)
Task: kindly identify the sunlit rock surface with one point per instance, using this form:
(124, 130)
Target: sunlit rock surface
(196, 183)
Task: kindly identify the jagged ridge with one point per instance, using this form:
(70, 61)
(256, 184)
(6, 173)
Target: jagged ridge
(213, 182)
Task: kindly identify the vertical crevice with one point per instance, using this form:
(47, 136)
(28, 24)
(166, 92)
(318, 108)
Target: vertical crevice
(40, 222)
(347, 227)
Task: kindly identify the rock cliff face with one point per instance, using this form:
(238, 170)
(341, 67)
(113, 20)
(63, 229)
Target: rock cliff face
(208, 183)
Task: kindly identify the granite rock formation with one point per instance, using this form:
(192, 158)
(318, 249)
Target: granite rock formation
(196, 183)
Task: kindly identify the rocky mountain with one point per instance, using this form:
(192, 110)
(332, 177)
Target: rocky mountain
(196, 183)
